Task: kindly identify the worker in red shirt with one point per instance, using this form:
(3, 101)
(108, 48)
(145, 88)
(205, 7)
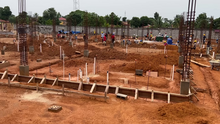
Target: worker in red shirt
(104, 40)
(113, 38)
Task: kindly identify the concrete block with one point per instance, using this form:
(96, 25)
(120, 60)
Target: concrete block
(71, 43)
(31, 49)
(139, 72)
(181, 61)
(179, 49)
(184, 87)
(152, 74)
(217, 56)
(86, 53)
(24, 70)
(96, 40)
(39, 60)
(2, 52)
(112, 45)
(4, 64)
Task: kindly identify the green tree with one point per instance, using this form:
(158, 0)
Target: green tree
(158, 23)
(167, 23)
(156, 15)
(202, 21)
(124, 19)
(145, 20)
(176, 21)
(136, 22)
(49, 22)
(12, 19)
(76, 17)
(216, 23)
(5, 13)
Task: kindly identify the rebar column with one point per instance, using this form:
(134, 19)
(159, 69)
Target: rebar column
(189, 39)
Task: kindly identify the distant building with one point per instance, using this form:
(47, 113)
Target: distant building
(62, 21)
(3, 24)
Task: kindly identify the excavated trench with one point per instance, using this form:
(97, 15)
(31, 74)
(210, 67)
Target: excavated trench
(214, 90)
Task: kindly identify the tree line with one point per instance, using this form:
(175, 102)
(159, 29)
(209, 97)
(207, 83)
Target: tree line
(77, 18)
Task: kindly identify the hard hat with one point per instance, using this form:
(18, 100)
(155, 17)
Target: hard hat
(204, 34)
(165, 41)
(170, 36)
(102, 31)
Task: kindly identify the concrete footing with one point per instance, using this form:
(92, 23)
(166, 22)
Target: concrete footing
(2, 52)
(24, 70)
(86, 53)
(31, 49)
(179, 49)
(184, 87)
(217, 56)
(112, 45)
(181, 60)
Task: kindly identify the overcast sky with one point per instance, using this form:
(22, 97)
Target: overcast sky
(166, 8)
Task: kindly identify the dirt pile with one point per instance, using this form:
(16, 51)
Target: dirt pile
(180, 110)
(107, 54)
(75, 62)
(92, 38)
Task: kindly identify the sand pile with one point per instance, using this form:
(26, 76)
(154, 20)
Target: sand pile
(180, 110)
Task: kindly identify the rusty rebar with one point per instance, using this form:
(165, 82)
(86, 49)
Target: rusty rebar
(86, 31)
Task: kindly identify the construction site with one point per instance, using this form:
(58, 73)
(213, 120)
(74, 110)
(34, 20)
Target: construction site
(77, 78)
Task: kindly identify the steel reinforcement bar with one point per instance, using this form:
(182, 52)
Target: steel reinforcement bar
(136, 93)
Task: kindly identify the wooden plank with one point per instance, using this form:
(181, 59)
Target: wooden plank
(15, 76)
(5, 74)
(107, 88)
(43, 81)
(31, 80)
(56, 90)
(80, 86)
(152, 96)
(117, 89)
(200, 64)
(93, 88)
(55, 82)
(168, 97)
(136, 94)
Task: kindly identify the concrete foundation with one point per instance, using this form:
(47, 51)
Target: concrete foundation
(96, 40)
(179, 49)
(181, 60)
(71, 43)
(86, 53)
(4, 64)
(2, 52)
(31, 49)
(217, 56)
(24, 70)
(184, 87)
(112, 45)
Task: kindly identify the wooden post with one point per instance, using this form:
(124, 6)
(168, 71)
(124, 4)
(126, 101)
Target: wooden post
(37, 87)
(136, 94)
(168, 97)
(63, 89)
(9, 82)
(152, 96)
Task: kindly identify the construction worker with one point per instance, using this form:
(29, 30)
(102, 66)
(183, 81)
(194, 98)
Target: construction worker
(102, 36)
(76, 37)
(84, 37)
(204, 38)
(195, 43)
(113, 38)
(104, 40)
(151, 36)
